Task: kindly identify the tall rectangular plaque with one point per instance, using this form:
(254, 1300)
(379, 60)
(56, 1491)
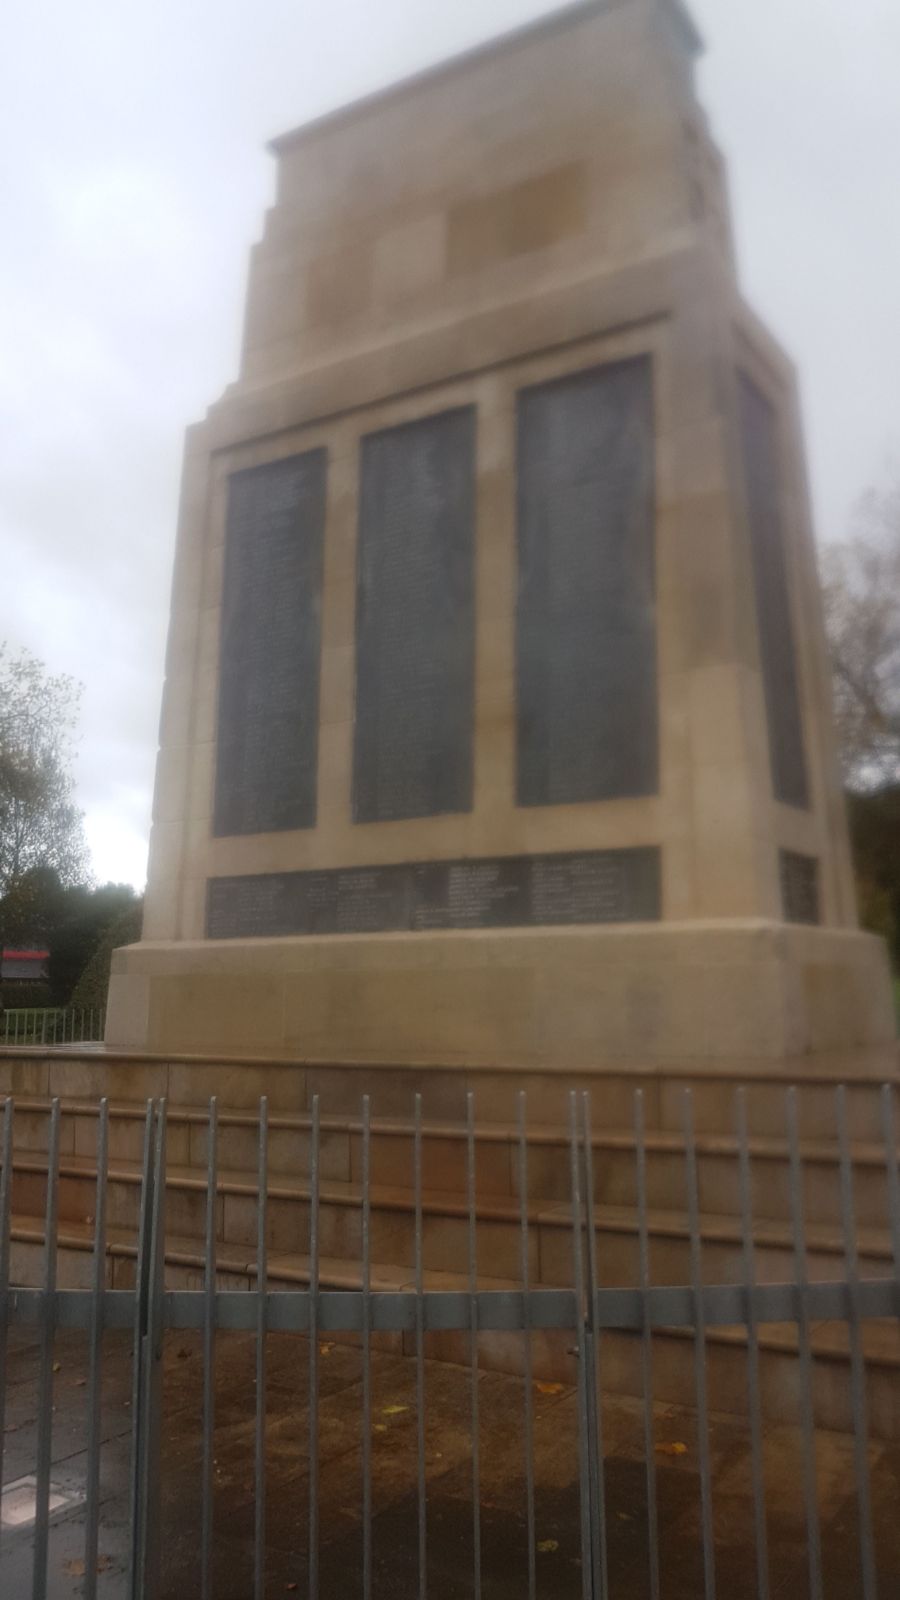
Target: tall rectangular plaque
(586, 619)
(268, 726)
(415, 621)
(778, 654)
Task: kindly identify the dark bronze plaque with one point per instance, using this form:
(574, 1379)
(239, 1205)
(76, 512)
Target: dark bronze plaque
(415, 621)
(586, 618)
(800, 887)
(271, 624)
(778, 656)
(503, 892)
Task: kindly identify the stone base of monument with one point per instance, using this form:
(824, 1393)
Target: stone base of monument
(562, 999)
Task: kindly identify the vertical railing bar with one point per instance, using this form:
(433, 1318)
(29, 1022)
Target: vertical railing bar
(527, 1358)
(149, 1481)
(640, 1156)
(367, 1346)
(5, 1223)
(92, 1513)
(595, 1391)
(421, 1487)
(45, 1385)
(262, 1321)
(210, 1273)
(693, 1197)
(798, 1229)
(141, 1287)
(754, 1401)
(473, 1344)
(314, 1355)
(857, 1364)
(587, 1582)
(889, 1130)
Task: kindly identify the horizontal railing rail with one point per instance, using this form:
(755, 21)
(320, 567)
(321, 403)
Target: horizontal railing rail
(450, 1310)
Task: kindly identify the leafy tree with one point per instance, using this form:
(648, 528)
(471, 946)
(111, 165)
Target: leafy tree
(40, 825)
(862, 609)
(875, 829)
(93, 985)
(72, 923)
(82, 921)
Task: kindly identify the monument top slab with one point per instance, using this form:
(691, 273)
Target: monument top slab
(554, 22)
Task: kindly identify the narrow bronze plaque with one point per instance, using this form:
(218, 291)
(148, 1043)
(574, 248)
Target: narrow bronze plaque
(778, 655)
(501, 892)
(268, 725)
(586, 616)
(415, 627)
(800, 887)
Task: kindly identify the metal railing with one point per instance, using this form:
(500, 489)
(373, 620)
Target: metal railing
(52, 1025)
(585, 1310)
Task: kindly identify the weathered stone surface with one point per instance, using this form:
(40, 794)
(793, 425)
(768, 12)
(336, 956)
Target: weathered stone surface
(774, 610)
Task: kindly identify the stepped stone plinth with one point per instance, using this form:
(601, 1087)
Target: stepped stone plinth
(497, 723)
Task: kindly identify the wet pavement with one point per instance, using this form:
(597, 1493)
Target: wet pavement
(450, 1542)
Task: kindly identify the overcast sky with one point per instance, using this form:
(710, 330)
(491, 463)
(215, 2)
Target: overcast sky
(133, 179)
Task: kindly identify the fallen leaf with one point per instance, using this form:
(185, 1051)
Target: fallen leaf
(380, 1427)
(676, 1449)
(75, 1568)
(549, 1388)
(624, 1517)
(547, 1546)
(80, 1383)
(393, 1411)
(325, 1349)
(57, 1366)
(292, 1588)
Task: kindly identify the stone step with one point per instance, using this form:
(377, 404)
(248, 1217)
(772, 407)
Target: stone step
(496, 1158)
(87, 1074)
(445, 1225)
(551, 1352)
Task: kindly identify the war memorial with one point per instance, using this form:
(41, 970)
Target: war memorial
(497, 722)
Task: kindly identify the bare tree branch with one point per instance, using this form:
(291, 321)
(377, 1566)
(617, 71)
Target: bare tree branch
(862, 613)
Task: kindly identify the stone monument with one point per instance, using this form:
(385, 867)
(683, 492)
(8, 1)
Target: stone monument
(497, 722)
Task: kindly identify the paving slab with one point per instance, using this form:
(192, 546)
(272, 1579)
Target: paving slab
(449, 1473)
